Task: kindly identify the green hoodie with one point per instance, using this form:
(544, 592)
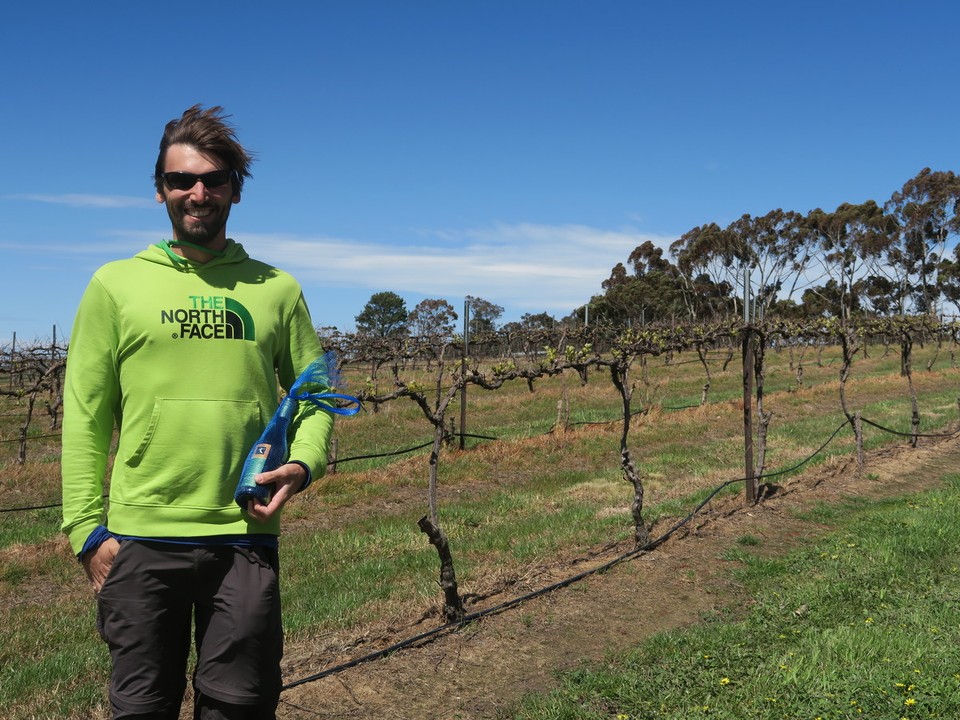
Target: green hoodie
(184, 358)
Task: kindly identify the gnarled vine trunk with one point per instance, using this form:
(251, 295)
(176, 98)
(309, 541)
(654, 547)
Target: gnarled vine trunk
(452, 604)
(619, 373)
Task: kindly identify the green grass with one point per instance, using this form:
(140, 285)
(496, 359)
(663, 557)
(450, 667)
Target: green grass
(862, 624)
(373, 561)
(28, 527)
(48, 662)
(351, 551)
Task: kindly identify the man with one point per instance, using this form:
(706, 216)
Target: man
(181, 347)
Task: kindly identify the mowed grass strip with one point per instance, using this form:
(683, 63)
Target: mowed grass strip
(862, 624)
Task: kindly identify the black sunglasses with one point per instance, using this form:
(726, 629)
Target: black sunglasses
(185, 180)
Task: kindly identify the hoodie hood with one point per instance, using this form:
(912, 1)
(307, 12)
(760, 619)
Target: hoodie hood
(161, 254)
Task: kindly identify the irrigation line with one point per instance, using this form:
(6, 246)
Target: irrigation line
(804, 462)
(910, 435)
(473, 617)
(609, 422)
(32, 507)
(407, 450)
(643, 411)
(31, 437)
(380, 455)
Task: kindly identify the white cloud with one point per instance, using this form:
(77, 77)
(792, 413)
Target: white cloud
(525, 267)
(123, 244)
(86, 201)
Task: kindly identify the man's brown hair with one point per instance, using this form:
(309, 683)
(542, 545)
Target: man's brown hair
(209, 132)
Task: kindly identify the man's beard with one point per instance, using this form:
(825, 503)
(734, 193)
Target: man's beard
(200, 231)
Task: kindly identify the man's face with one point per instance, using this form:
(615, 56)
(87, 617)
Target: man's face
(199, 214)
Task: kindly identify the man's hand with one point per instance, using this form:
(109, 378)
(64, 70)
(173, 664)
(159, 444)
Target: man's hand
(97, 563)
(287, 480)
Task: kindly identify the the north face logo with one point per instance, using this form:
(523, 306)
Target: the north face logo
(210, 318)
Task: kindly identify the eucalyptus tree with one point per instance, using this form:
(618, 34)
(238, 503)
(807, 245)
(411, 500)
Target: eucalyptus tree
(926, 212)
(827, 300)
(699, 262)
(846, 240)
(433, 317)
(483, 314)
(775, 248)
(537, 321)
(650, 291)
(879, 292)
(948, 276)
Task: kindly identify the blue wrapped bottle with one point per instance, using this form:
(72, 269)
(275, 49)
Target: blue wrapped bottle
(271, 449)
(269, 453)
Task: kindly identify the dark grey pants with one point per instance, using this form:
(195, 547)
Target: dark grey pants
(145, 609)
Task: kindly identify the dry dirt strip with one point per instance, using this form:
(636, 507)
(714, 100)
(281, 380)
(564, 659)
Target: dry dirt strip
(483, 669)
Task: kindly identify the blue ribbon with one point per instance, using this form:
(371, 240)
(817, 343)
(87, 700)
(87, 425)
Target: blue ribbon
(315, 398)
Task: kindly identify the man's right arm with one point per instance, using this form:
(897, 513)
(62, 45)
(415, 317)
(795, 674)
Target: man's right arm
(91, 398)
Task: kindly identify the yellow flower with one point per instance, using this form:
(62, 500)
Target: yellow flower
(909, 701)
(725, 681)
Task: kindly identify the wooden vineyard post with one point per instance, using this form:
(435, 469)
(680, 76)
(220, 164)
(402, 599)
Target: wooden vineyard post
(750, 496)
(463, 374)
(750, 482)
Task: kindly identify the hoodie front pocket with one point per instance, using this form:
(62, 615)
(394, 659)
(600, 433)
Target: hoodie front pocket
(191, 452)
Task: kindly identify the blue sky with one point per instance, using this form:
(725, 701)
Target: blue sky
(512, 150)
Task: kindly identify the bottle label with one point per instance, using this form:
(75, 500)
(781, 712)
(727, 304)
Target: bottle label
(258, 458)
